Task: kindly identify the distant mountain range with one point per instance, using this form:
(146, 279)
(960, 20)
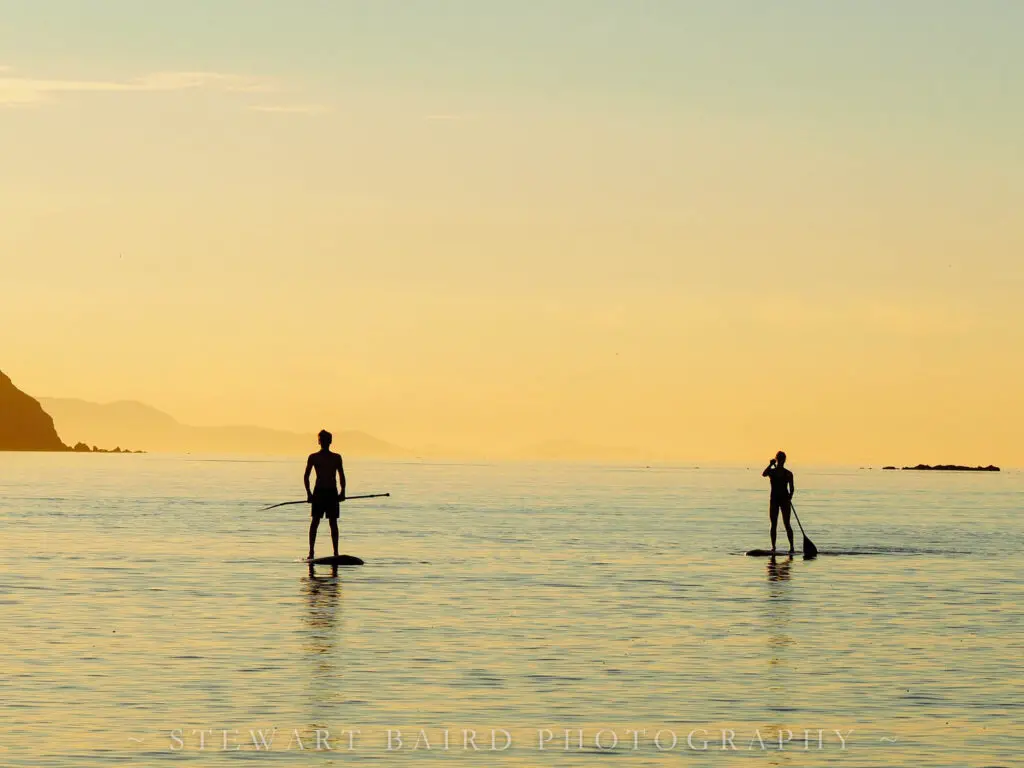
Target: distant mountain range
(47, 423)
(135, 425)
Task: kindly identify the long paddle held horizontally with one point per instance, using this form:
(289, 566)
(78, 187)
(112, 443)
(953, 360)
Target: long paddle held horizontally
(347, 498)
(809, 549)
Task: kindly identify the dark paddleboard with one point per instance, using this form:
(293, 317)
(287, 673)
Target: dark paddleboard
(772, 553)
(332, 560)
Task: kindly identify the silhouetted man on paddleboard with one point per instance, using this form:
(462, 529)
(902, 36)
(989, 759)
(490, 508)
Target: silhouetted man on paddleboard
(782, 493)
(325, 497)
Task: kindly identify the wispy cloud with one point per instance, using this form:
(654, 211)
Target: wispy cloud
(292, 109)
(31, 90)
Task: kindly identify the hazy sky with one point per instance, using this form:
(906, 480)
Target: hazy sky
(707, 229)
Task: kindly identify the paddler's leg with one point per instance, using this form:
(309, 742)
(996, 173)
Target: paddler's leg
(334, 533)
(773, 515)
(789, 527)
(313, 525)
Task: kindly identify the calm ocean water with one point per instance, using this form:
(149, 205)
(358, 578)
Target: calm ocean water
(152, 615)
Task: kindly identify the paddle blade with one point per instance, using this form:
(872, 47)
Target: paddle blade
(809, 549)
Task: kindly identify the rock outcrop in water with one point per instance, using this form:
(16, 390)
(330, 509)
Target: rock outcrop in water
(949, 468)
(83, 448)
(24, 425)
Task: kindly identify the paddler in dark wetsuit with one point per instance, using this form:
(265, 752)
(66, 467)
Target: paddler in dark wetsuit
(325, 497)
(782, 492)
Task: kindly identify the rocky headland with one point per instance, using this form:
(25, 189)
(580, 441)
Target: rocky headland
(24, 425)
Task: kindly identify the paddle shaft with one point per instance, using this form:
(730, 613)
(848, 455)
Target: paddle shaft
(793, 508)
(347, 498)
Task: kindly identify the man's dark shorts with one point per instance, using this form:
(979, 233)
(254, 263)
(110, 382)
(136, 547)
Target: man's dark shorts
(325, 504)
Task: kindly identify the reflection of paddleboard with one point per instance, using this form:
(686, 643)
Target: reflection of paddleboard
(772, 553)
(335, 560)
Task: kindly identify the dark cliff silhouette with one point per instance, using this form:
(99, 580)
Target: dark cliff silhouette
(24, 425)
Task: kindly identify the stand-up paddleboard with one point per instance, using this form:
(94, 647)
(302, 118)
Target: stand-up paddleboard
(772, 553)
(334, 560)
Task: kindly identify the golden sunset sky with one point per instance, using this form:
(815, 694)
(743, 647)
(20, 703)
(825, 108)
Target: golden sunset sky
(704, 230)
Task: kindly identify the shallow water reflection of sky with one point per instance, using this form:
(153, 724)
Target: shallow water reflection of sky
(146, 596)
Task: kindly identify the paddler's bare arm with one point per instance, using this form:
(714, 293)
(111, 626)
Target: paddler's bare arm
(305, 478)
(341, 479)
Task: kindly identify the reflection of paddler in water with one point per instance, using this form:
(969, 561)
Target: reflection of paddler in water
(778, 639)
(325, 498)
(322, 599)
(782, 493)
(779, 571)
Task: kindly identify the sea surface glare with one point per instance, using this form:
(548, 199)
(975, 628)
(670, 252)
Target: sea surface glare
(151, 614)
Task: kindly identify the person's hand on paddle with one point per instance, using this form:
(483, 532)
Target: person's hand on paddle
(309, 497)
(341, 496)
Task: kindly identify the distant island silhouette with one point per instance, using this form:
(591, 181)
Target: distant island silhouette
(947, 468)
(128, 422)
